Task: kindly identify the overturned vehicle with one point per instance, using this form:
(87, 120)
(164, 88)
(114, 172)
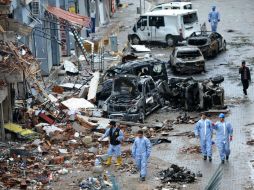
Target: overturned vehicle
(133, 98)
(193, 95)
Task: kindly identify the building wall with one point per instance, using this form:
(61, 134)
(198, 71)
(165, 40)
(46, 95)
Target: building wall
(41, 41)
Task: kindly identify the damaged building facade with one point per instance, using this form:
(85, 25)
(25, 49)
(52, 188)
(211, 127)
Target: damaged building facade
(50, 38)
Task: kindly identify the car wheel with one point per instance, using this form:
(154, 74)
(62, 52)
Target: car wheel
(135, 40)
(170, 40)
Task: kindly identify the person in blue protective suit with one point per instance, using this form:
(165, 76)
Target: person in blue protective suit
(115, 137)
(214, 18)
(141, 150)
(224, 134)
(204, 131)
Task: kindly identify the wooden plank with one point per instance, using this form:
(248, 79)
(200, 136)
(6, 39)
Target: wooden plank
(93, 86)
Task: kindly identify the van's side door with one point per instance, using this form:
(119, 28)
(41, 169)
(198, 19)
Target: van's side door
(157, 28)
(143, 30)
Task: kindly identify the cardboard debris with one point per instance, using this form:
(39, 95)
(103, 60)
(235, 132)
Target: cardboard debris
(51, 129)
(71, 85)
(52, 98)
(77, 103)
(140, 48)
(70, 67)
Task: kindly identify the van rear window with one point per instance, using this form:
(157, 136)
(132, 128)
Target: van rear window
(190, 18)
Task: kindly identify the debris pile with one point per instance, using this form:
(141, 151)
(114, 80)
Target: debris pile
(250, 142)
(177, 174)
(185, 119)
(191, 150)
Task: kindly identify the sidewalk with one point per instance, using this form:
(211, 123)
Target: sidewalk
(122, 22)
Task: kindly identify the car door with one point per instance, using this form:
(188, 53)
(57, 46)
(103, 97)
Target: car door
(151, 94)
(157, 28)
(143, 30)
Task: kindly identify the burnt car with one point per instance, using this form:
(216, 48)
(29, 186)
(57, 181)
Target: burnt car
(133, 98)
(210, 43)
(193, 95)
(187, 60)
(150, 66)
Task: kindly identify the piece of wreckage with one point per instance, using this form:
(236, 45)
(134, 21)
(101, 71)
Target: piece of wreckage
(194, 95)
(133, 98)
(185, 93)
(210, 43)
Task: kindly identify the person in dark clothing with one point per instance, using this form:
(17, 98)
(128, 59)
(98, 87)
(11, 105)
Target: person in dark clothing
(116, 136)
(245, 76)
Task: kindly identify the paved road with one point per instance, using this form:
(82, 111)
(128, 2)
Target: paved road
(236, 15)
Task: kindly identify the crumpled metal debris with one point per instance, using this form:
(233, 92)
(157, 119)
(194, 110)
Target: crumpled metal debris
(250, 142)
(159, 141)
(177, 174)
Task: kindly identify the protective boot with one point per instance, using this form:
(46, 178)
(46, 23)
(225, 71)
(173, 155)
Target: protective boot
(119, 161)
(108, 162)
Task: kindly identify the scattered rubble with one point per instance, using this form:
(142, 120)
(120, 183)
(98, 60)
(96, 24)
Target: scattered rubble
(191, 150)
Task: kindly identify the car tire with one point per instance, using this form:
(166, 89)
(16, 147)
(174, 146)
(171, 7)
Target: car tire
(170, 40)
(135, 40)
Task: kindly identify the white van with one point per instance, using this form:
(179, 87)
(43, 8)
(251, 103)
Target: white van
(172, 5)
(165, 26)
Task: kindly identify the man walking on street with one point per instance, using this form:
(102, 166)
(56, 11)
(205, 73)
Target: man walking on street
(203, 130)
(141, 150)
(245, 76)
(214, 18)
(224, 134)
(115, 137)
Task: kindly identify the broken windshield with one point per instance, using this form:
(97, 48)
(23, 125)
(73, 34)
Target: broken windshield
(197, 42)
(126, 86)
(188, 54)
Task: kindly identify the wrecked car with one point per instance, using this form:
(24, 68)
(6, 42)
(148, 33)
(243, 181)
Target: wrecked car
(187, 60)
(210, 43)
(194, 95)
(150, 66)
(133, 98)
